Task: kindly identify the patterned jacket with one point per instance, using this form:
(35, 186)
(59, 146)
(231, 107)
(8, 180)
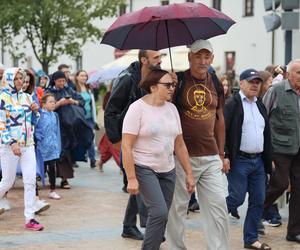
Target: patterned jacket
(16, 117)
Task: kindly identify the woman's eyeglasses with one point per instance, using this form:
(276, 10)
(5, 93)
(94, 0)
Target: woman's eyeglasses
(168, 85)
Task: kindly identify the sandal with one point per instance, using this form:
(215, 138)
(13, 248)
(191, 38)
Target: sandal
(65, 185)
(263, 246)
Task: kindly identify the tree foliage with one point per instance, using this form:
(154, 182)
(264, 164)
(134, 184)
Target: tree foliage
(54, 27)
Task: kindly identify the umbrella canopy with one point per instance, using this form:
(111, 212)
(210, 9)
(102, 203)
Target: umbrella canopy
(106, 74)
(166, 26)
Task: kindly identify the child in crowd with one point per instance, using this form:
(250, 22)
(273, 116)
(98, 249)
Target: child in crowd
(47, 134)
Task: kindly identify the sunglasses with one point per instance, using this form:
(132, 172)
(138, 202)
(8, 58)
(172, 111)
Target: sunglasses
(168, 85)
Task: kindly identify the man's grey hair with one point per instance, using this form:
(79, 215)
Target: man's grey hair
(288, 68)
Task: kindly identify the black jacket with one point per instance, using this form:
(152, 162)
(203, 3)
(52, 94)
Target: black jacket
(234, 117)
(125, 91)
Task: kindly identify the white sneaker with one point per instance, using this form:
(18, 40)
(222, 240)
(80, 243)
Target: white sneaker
(2, 210)
(4, 204)
(40, 206)
(53, 195)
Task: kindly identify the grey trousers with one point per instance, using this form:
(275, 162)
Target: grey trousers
(211, 196)
(156, 191)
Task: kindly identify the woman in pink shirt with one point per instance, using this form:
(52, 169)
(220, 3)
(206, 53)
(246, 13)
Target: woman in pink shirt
(151, 133)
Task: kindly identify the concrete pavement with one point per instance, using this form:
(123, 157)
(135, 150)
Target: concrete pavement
(89, 216)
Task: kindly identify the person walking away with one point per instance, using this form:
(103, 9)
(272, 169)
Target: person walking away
(105, 147)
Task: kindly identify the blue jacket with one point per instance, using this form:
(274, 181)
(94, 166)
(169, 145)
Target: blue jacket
(47, 135)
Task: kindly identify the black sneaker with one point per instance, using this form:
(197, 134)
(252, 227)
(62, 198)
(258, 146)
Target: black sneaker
(193, 207)
(124, 188)
(235, 214)
(132, 233)
(93, 164)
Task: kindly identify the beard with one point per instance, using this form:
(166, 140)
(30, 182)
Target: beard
(152, 67)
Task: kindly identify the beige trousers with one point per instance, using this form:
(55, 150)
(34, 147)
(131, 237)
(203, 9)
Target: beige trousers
(211, 196)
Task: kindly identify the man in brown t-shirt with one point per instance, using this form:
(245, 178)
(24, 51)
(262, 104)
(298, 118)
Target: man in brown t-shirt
(201, 112)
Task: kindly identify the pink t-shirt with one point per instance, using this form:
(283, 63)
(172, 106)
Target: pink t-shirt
(156, 128)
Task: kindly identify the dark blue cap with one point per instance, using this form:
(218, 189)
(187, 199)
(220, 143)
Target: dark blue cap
(250, 74)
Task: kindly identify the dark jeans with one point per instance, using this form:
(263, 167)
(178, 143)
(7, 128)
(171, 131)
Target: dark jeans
(247, 175)
(50, 167)
(287, 168)
(91, 149)
(157, 191)
(134, 206)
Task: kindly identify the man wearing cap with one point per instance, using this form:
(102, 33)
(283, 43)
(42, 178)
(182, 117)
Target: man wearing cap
(204, 135)
(282, 102)
(248, 149)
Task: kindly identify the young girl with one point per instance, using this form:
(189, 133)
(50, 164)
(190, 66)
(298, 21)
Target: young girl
(47, 134)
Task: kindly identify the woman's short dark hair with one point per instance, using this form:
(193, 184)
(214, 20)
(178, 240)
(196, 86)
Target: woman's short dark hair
(152, 78)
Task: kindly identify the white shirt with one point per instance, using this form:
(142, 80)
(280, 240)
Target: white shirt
(252, 140)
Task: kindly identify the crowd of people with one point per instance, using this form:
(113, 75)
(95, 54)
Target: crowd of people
(235, 135)
(175, 136)
(46, 126)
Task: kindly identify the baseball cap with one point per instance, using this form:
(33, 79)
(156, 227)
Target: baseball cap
(201, 44)
(250, 74)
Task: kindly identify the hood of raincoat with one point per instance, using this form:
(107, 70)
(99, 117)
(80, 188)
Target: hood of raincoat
(8, 84)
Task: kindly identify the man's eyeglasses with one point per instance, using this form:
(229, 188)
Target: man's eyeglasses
(168, 85)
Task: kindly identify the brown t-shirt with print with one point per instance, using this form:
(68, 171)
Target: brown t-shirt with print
(197, 108)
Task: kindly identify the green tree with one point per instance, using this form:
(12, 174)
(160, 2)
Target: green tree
(55, 27)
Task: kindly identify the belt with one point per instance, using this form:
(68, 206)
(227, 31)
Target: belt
(248, 155)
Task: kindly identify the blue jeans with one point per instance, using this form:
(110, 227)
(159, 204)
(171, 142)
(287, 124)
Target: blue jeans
(247, 175)
(91, 149)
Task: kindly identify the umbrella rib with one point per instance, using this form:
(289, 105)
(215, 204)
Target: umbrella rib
(187, 28)
(124, 40)
(217, 23)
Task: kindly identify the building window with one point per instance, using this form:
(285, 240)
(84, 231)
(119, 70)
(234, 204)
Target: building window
(190, 1)
(164, 2)
(217, 4)
(249, 8)
(230, 67)
(122, 9)
(79, 63)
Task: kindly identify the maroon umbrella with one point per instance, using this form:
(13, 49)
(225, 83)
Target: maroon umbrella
(166, 26)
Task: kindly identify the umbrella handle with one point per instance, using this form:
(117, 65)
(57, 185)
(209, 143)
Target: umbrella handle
(169, 47)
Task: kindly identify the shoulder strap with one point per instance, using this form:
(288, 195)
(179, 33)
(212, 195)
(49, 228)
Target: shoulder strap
(181, 83)
(217, 84)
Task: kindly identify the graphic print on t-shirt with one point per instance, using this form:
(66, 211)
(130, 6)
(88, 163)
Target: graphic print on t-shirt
(198, 97)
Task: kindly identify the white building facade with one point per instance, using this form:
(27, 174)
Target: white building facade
(246, 44)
